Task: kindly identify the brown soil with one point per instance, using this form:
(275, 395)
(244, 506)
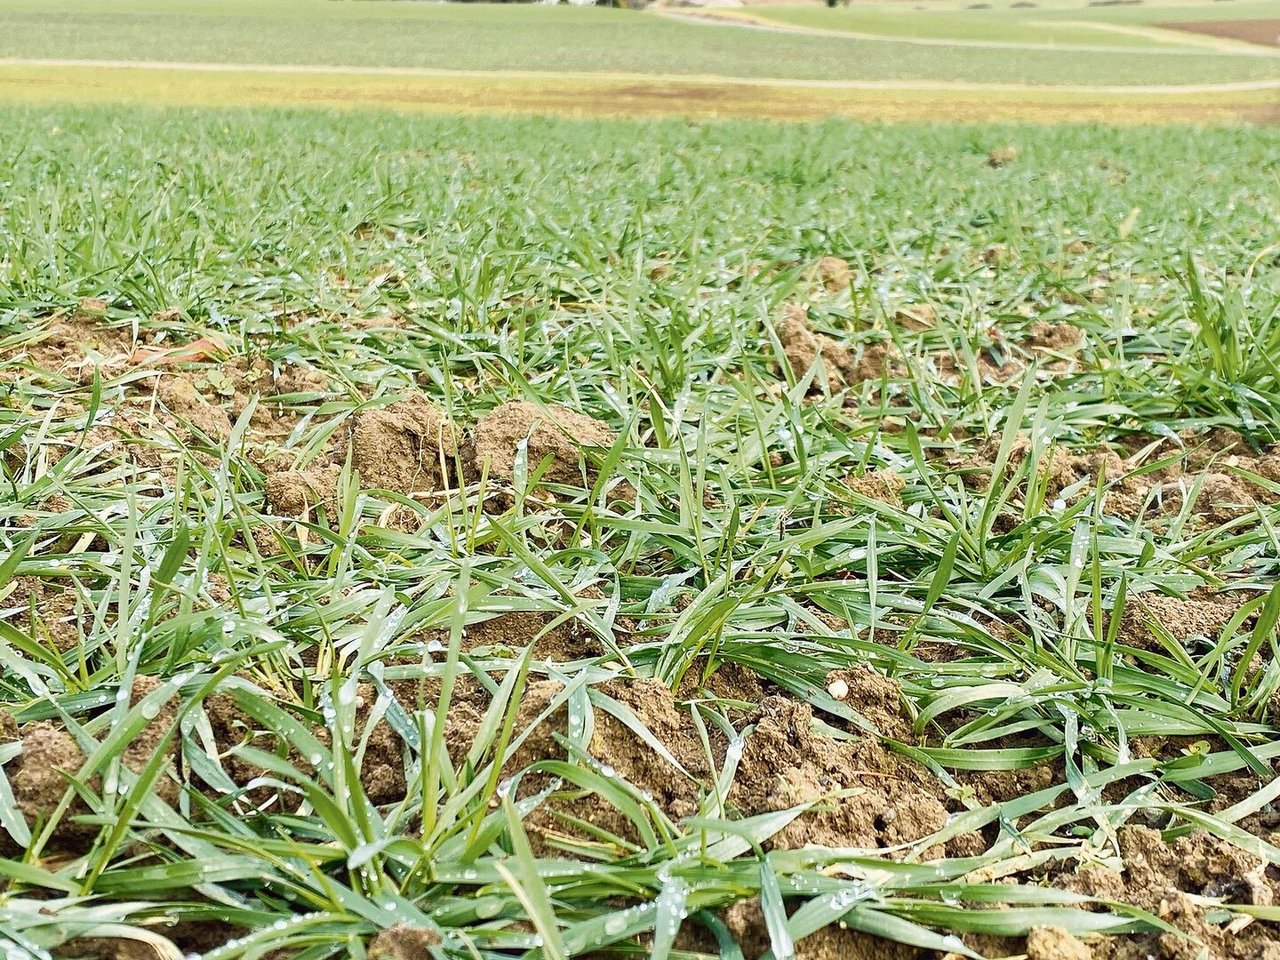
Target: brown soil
(242, 379)
(863, 794)
(785, 763)
(297, 493)
(1054, 943)
(1203, 616)
(745, 921)
(39, 776)
(1160, 876)
(1223, 495)
(56, 621)
(1264, 32)
(833, 273)
(408, 447)
(1058, 337)
(511, 633)
(555, 432)
(803, 348)
(204, 419)
(1002, 156)
(841, 366)
(917, 317)
(73, 345)
(403, 942)
(883, 485)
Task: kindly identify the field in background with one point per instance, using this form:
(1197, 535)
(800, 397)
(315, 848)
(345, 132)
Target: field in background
(1129, 25)
(897, 62)
(526, 538)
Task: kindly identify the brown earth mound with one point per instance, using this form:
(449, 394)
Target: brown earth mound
(883, 485)
(1169, 879)
(50, 756)
(1206, 470)
(832, 272)
(555, 432)
(202, 418)
(841, 366)
(73, 345)
(1002, 156)
(408, 447)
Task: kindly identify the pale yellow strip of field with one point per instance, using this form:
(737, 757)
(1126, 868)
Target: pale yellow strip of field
(611, 96)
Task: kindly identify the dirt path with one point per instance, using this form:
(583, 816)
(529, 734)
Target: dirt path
(1176, 45)
(954, 86)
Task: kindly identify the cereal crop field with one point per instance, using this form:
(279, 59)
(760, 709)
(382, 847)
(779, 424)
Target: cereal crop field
(523, 537)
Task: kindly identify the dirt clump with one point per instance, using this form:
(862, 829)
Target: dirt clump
(1059, 468)
(56, 621)
(998, 786)
(149, 740)
(553, 431)
(875, 696)
(1054, 943)
(916, 317)
(106, 948)
(618, 751)
(841, 366)
(730, 681)
(298, 493)
(403, 942)
(832, 272)
(953, 369)
(75, 344)
(241, 380)
(613, 742)
(875, 362)
(1203, 449)
(1167, 879)
(566, 641)
(407, 447)
(1201, 616)
(785, 762)
(1002, 156)
(382, 768)
(746, 923)
(466, 715)
(50, 755)
(232, 727)
(803, 348)
(1044, 335)
(203, 418)
(882, 485)
(994, 255)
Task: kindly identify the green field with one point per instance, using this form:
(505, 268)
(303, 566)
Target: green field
(878, 561)
(550, 39)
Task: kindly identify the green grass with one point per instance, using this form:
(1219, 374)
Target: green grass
(634, 272)
(517, 37)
